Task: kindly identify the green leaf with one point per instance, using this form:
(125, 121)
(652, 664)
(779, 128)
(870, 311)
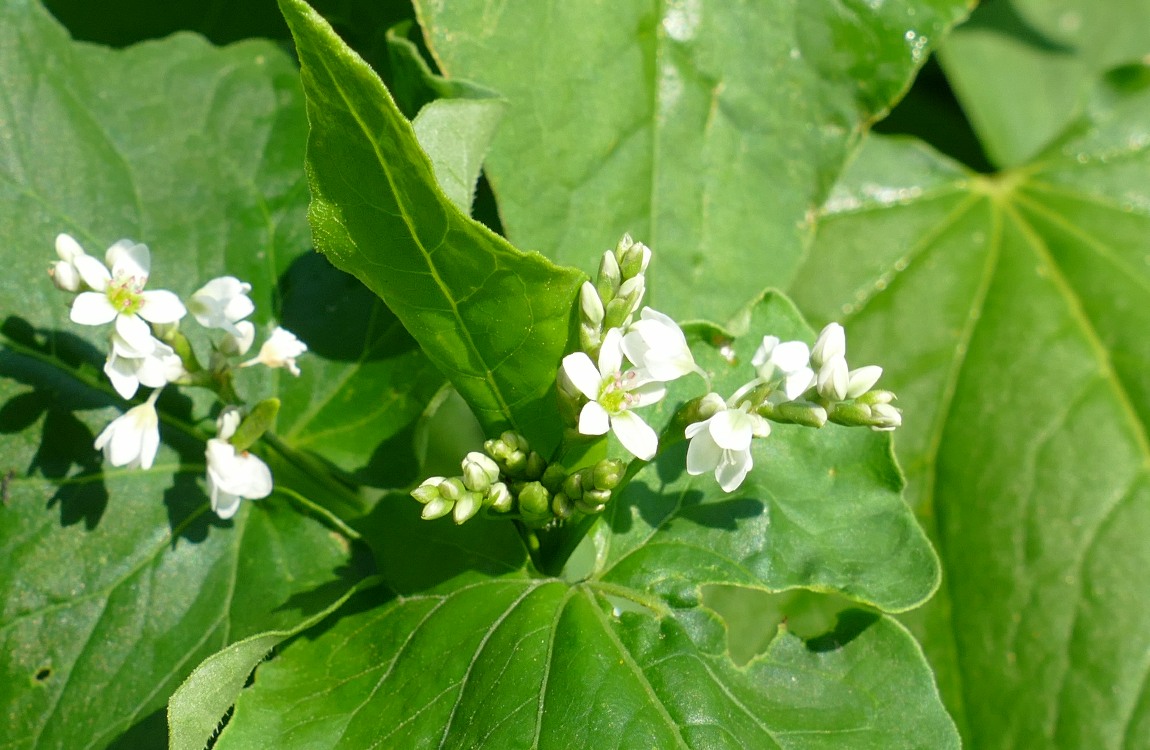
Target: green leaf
(1054, 52)
(495, 320)
(709, 130)
(479, 651)
(1010, 314)
(116, 583)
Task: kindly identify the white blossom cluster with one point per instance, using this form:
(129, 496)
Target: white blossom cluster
(145, 347)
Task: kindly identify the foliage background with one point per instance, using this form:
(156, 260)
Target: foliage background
(996, 264)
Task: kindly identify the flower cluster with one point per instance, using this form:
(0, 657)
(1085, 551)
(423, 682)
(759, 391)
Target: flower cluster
(510, 479)
(146, 348)
(623, 364)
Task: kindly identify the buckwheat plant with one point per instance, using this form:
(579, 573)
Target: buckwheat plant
(147, 348)
(622, 367)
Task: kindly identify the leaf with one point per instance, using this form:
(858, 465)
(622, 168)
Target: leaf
(197, 706)
(709, 130)
(117, 582)
(495, 320)
(478, 651)
(1053, 53)
(1010, 314)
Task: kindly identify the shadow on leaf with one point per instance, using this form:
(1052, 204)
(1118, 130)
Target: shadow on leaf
(850, 625)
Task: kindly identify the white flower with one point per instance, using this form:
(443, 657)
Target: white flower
(240, 343)
(722, 444)
(119, 295)
(791, 359)
(280, 350)
(232, 474)
(613, 393)
(132, 438)
(128, 369)
(656, 344)
(833, 379)
(221, 303)
(862, 380)
(831, 343)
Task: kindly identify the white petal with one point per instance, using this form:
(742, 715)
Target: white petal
(129, 259)
(228, 422)
(831, 343)
(790, 356)
(611, 352)
(648, 393)
(67, 247)
(225, 504)
(796, 383)
(122, 373)
(135, 334)
(862, 380)
(250, 478)
(149, 444)
(593, 419)
(65, 276)
(832, 379)
(162, 306)
(695, 428)
(239, 341)
(582, 373)
(763, 353)
(635, 435)
(732, 429)
(732, 469)
(92, 309)
(92, 272)
(702, 453)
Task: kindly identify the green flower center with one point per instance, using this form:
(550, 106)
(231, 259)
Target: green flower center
(614, 396)
(124, 292)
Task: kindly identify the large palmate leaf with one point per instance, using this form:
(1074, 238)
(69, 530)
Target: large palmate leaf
(117, 582)
(1012, 312)
(1023, 68)
(708, 129)
(495, 320)
(475, 651)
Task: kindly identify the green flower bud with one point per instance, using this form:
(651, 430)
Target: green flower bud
(589, 509)
(498, 498)
(515, 441)
(597, 497)
(800, 412)
(428, 490)
(590, 337)
(573, 486)
(452, 489)
(437, 508)
(534, 501)
(258, 421)
(467, 506)
(515, 463)
(610, 277)
(608, 473)
(553, 477)
(479, 472)
(497, 449)
(885, 418)
(876, 397)
(633, 261)
(562, 506)
(851, 414)
(535, 466)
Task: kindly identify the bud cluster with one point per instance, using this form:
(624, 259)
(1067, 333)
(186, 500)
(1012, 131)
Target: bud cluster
(615, 297)
(509, 478)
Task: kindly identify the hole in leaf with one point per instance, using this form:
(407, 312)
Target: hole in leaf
(43, 674)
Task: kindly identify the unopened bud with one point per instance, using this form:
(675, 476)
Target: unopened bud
(562, 506)
(497, 449)
(851, 414)
(590, 304)
(596, 497)
(437, 508)
(877, 397)
(590, 337)
(832, 379)
(573, 486)
(885, 418)
(498, 498)
(587, 508)
(65, 276)
(428, 490)
(534, 501)
(515, 441)
(800, 412)
(610, 277)
(466, 507)
(479, 471)
(515, 463)
(633, 261)
(831, 343)
(608, 473)
(535, 466)
(452, 489)
(861, 380)
(553, 477)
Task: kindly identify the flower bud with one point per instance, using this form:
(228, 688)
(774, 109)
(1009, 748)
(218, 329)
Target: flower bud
(515, 441)
(466, 507)
(573, 486)
(437, 508)
(596, 497)
(65, 276)
(553, 477)
(452, 489)
(851, 414)
(885, 418)
(497, 449)
(633, 261)
(877, 397)
(590, 304)
(562, 506)
(535, 466)
(534, 501)
(862, 380)
(832, 379)
(515, 463)
(479, 471)
(428, 490)
(610, 277)
(590, 338)
(498, 498)
(831, 343)
(800, 412)
(608, 473)
(589, 509)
